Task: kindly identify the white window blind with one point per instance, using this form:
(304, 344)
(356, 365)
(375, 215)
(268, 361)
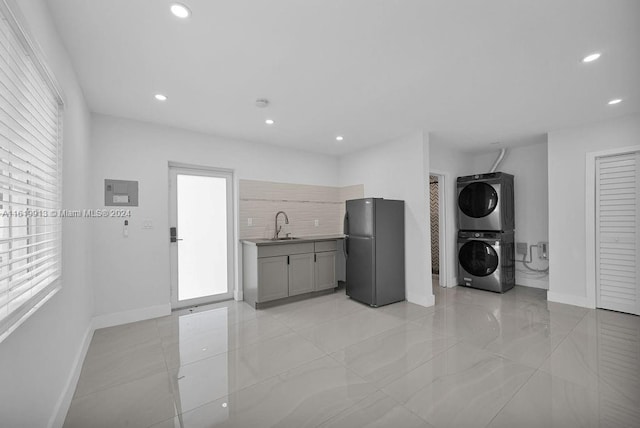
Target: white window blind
(30, 178)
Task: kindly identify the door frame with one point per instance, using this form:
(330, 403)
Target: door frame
(444, 279)
(229, 174)
(590, 214)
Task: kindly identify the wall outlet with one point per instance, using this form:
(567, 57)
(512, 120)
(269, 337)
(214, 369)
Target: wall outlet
(521, 248)
(543, 250)
(316, 222)
(249, 221)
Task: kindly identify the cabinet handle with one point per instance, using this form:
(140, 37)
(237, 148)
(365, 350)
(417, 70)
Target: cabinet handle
(315, 258)
(287, 259)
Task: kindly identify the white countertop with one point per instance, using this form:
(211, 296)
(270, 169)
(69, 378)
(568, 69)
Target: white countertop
(297, 240)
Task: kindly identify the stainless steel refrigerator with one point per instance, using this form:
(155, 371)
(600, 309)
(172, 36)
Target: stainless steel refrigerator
(374, 247)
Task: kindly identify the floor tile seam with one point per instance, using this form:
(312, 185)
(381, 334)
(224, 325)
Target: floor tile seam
(215, 399)
(130, 380)
(431, 358)
(409, 410)
(512, 396)
(289, 331)
(386, 330)
(353, 372)
(575, 384)
(169, 338)
(280, 374)
(354, 404)
(508, 358)
(325, 322)
(445, 375)
(147, 339)
(237, 349)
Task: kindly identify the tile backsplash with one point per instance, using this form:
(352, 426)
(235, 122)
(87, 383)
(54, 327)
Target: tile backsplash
(304, 204)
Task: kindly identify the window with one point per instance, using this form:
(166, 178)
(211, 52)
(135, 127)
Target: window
(30, 178)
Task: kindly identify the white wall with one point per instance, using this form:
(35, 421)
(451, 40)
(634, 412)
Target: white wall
(528, 165)
(451, 163)
(37, 361)
(399, 170)
(131, 275)
(567, 168)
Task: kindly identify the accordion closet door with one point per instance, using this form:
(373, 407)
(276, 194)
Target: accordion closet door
(618, 233)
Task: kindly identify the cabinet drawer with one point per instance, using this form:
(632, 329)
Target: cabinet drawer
(325, 246)
(284, 249)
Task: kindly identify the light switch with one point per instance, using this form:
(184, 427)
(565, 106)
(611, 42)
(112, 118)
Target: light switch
(249, 221)
(316, 222)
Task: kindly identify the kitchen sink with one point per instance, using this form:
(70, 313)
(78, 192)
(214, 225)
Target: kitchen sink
(286, 238)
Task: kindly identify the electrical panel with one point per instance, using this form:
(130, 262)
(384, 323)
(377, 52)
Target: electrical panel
(120, 193)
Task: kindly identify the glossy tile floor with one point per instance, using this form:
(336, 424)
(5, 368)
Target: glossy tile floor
(476, 359)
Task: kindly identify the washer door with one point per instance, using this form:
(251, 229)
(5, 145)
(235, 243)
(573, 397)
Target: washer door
(478, 200)
(478, 258)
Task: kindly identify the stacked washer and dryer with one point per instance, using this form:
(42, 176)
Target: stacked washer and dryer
(486, 223)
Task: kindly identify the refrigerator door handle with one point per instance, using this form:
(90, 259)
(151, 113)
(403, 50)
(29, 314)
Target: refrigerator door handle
(345, 245)
(346, 224)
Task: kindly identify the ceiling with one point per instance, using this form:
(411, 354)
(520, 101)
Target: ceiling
(470, 72)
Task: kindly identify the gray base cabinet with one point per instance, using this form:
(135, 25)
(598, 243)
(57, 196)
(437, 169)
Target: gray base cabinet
(301, 272)
(325, 270)
(273, 276)
(278, 271)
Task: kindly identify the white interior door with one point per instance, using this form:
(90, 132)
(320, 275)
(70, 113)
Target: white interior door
(201, 235)
(618, 233)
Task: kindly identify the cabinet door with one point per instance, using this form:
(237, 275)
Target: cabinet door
(300, 274)
(326, 270)
(272, 278)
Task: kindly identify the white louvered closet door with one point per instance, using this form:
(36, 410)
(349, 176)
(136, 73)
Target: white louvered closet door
(618, 233)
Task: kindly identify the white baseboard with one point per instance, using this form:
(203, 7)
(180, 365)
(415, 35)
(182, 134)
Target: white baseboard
(101, 321)
(426, 301)
(62, 407)
(451, 282)
(125, 317)
(568, 299)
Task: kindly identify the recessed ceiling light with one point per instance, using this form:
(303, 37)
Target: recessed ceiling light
(180, 10)
(269, 122)
(161, 97)
(616, 101)
(339, 138)
(591, 57)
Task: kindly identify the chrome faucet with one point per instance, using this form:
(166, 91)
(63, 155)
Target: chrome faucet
(286, 221)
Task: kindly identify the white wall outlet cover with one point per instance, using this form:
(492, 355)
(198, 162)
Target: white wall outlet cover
(316, 222)
(249, 221)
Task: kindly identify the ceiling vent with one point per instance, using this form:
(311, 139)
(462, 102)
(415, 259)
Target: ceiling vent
(262, 102)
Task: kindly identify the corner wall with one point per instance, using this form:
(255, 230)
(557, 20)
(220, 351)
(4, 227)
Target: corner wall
(451, 163)
(567, 188)
(39, 361)
(399, 170)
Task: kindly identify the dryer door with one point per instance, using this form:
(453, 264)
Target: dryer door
(478, 200)
(478, 258)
